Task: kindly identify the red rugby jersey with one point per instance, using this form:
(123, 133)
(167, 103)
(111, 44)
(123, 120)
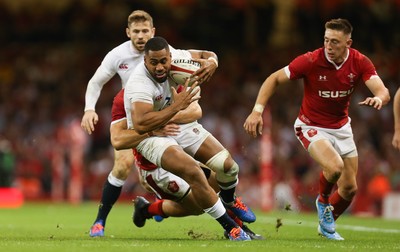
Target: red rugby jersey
(327, 87)
(118, 113)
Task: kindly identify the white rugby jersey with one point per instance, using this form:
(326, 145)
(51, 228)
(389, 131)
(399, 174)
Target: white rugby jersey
(121, 60)
(142, 87)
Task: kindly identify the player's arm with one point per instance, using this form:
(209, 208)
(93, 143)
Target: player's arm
(396, 114)
(93, 90)
(146, 120)
(254, 123)
(208, 61)
(192, 113)
(381, 94)
(124, 138)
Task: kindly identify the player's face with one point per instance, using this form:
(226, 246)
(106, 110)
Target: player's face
(336, 44)
(140, 33)
(158, 63)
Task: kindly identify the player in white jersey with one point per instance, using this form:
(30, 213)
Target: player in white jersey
(330, 75)
(122, 60)
(173, 193)
(154, 101)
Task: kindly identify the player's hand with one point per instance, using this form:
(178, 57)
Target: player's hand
(254, 124)
(186, 96)
(375, 102)
(206, 71)
(89, 120)
(171, 129)
(396, 140)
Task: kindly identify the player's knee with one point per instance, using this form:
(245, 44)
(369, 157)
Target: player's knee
(349, 191)
(122, 167)
(335, 170)
(225, 167)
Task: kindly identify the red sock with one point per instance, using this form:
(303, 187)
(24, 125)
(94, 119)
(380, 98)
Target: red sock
(155, 208)
(325, 189)
(235, 218)
(339, 204)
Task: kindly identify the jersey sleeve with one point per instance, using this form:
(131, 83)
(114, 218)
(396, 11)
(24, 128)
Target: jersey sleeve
(102, 75)
(118, 110)
(178, 53)
(300, 66)
(367, 68)
(139, 89)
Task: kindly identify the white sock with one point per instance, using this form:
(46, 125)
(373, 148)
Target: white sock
(217, 210)
(115, 181)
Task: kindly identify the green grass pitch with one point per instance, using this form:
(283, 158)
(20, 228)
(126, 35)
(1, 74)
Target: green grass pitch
(63, 227)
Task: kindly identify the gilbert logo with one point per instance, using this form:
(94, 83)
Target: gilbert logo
(322, 78)
(123, 66)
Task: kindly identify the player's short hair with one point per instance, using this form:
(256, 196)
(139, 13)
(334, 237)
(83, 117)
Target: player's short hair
(156, 44)
(339, 24)
(139, 16)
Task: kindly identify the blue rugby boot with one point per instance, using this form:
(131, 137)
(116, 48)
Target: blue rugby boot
(237, 234)
(331, 236)
(97, 230)
(325, 216)
(242, 211)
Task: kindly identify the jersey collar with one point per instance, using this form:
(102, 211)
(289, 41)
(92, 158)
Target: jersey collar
(333, 63)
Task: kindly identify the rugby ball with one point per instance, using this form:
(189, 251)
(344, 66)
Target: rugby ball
(181, 69)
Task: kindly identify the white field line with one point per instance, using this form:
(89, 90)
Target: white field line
(292, 222)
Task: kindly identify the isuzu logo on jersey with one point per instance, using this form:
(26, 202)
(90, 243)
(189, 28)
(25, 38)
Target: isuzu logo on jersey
(335, 94)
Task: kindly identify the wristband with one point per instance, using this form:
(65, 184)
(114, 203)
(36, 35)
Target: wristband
(378, 99)
(213, 59)
(258, 108)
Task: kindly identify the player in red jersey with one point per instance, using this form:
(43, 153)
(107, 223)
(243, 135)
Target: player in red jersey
(330, 74)
(396, 114)
(174, 193)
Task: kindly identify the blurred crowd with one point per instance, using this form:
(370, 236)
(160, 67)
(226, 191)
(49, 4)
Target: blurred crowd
(50, 49)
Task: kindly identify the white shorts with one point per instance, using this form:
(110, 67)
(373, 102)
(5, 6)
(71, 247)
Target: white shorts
(190, 138)
(165, 184)
(341, 139)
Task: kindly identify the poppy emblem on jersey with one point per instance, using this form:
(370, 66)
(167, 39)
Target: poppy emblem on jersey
(123, 66)
(196, 131)
(312, 132)
(173, 187)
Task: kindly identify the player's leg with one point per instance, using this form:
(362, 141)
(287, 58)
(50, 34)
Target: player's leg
(347, 187)
(166, 186)
(332, 165)
(216, 157)
(164, 152)
(123, 163)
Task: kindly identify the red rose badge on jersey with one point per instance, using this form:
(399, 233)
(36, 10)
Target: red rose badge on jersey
(173, 187)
